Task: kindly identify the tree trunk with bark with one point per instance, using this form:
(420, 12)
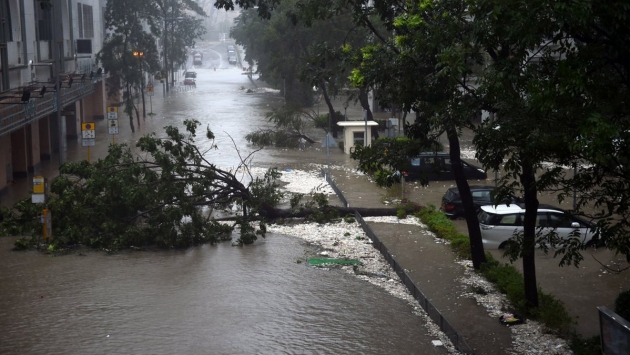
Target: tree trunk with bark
(528, 181)
(474, 231)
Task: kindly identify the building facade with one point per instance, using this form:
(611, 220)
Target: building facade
(49, 81)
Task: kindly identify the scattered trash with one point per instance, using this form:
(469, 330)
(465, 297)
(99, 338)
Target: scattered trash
(324, 261)
(510, 319)
(288, 170)
(437, 343)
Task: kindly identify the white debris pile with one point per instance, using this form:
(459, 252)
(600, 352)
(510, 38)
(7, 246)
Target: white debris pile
(297, 181)
(393, 219)
(527, 338)
(305, 182)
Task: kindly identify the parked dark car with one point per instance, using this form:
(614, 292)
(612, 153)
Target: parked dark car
(432, 166)
(453, 207)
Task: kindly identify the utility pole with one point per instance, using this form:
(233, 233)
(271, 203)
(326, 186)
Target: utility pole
(57, 52)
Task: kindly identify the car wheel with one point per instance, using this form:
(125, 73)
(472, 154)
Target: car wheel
(459, 217)
(502, 245)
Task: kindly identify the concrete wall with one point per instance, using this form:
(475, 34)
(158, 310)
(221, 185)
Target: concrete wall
(5, 162)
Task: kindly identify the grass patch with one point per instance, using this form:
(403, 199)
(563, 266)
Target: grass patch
(551, 311)
(439, 224)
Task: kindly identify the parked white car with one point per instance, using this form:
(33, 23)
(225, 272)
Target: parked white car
(498, 224)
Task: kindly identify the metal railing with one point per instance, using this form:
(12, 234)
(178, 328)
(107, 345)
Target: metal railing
(335, 188)
(446, 327)
(16, 116)
(181, 88)
(458, 341)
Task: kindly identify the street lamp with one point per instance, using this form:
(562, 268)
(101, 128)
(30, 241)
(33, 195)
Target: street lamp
(140, 54)
(345, 107)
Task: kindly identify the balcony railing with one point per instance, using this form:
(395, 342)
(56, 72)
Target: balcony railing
(14, 116)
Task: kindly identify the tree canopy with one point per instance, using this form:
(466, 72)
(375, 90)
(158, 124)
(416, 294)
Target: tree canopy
(552, 75)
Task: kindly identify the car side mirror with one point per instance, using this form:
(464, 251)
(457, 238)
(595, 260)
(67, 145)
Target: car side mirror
(575, 225)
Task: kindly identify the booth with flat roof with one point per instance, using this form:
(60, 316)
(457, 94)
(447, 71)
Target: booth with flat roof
(354, 132)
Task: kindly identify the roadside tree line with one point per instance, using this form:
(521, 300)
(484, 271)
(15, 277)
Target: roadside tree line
(130, 48)
(553, 75)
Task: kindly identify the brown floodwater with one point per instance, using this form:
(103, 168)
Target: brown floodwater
(205, 300)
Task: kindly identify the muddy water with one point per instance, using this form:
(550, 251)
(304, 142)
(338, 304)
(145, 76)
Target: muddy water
(206, 300)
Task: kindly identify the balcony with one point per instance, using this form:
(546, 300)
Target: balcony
(26, 104)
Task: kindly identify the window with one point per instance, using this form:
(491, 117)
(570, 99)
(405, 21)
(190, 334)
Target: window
(481, 195)
(80, 19)
(510, 220)
(415, 162)
(85, 19)
(359, 138)
(542, 220)
(559, 220)
(44, 23)
(7, 10)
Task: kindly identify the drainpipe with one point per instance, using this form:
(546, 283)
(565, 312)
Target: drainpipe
(57, 35)
(4, 56)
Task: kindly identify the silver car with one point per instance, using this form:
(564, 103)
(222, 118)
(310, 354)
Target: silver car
(498, 224)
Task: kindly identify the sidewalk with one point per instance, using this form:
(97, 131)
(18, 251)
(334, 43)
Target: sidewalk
(432, 268)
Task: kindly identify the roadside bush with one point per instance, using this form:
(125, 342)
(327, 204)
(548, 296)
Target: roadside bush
(622, 305)
(507, 278)
(439, 224)
(588, 346)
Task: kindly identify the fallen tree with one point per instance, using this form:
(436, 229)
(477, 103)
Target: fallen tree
(165, 196)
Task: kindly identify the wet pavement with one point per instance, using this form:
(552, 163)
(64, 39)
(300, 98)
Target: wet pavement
(210, 299)
(220, 99)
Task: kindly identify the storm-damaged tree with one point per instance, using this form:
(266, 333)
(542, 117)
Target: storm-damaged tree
(290, 128)
(124, 20)
(163, 193)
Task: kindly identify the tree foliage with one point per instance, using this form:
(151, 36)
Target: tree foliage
(554, 74)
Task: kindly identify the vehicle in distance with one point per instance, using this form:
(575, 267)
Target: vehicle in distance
(197, 59)
(498, 224)
(453, 207)
(232, 58)
(432, 166)
(190, 81)
(230, 48)
(190, 74)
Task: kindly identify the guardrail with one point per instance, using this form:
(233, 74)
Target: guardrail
(16, 116)
(458, 341)
(181, 88)
(335, 188)
(446, 327)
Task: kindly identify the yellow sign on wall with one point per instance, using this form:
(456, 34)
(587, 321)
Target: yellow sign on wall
(112, 109)
(39, 185)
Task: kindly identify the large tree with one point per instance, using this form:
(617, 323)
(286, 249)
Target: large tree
(125, 70)
(553, 73)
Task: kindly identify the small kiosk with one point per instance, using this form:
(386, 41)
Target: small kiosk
(354, 132)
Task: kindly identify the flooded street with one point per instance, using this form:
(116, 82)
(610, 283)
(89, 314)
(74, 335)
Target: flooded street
(206, 300)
